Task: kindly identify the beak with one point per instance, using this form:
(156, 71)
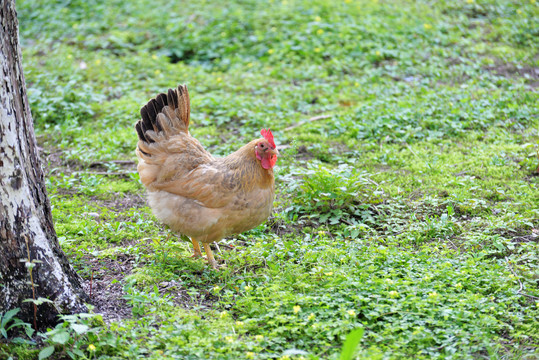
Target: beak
(274, 152)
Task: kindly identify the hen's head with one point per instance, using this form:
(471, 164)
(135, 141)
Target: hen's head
(265, 150)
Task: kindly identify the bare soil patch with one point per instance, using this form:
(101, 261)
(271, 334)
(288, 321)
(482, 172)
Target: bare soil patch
(105, 286)
(121, 201)
(303, 154)
(530, 74)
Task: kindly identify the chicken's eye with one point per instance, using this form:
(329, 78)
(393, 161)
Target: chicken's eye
(261, 145)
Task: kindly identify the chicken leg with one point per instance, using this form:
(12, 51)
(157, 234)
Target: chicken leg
(209, 253)
(196, 246)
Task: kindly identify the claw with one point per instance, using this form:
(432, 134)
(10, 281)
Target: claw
(215, 266)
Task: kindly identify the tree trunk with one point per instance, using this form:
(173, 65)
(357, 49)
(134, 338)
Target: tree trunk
(27, 236)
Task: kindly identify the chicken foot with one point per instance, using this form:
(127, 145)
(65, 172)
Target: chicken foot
(209, 253)
(196, 246)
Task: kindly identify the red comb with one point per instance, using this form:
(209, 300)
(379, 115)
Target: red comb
(266, 133)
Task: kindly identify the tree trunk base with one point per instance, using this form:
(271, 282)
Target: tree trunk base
(32, 264)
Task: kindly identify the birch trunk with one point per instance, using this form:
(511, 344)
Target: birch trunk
(26, 229)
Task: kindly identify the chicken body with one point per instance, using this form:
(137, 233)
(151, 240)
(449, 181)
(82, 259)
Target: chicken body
(194, 193)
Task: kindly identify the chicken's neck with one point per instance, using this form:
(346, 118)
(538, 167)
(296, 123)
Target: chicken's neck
(245, 163)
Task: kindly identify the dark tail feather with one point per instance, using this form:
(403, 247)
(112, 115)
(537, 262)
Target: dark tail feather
(140, 132)
(172, 98)
(175, 99)
(161, 100)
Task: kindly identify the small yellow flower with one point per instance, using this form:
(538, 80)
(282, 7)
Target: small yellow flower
(356, 84)
(351, 312)
(223, 314)
(157, 72)
(537, 304)
(250, 64)
(318, 19)
(311, 316)
(229, 339)
(297, 309)
(98, 62)
(389, 281)
(239, 323)
(259, 337)
(492, 308)
(378, 53)
(427, 26)
(154, 57)
(319, 31)
(433, 295)
(250, 355)
(69, 56)
(285, 357)
(216, 288)
(329, 273)
(470, 1)
(219, 79)
(321, 233)
(271, 51)
(317, 50)
(92, 347)
(248, 288)
(458, 285)
(393, 294)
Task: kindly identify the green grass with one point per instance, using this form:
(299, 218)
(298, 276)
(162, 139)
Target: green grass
(409, 210)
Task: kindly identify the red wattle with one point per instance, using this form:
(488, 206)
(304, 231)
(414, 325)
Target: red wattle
(266, 163)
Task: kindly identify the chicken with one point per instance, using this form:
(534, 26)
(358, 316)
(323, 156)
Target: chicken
(194, 193)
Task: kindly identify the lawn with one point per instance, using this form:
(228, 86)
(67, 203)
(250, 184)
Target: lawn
(407, 187)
